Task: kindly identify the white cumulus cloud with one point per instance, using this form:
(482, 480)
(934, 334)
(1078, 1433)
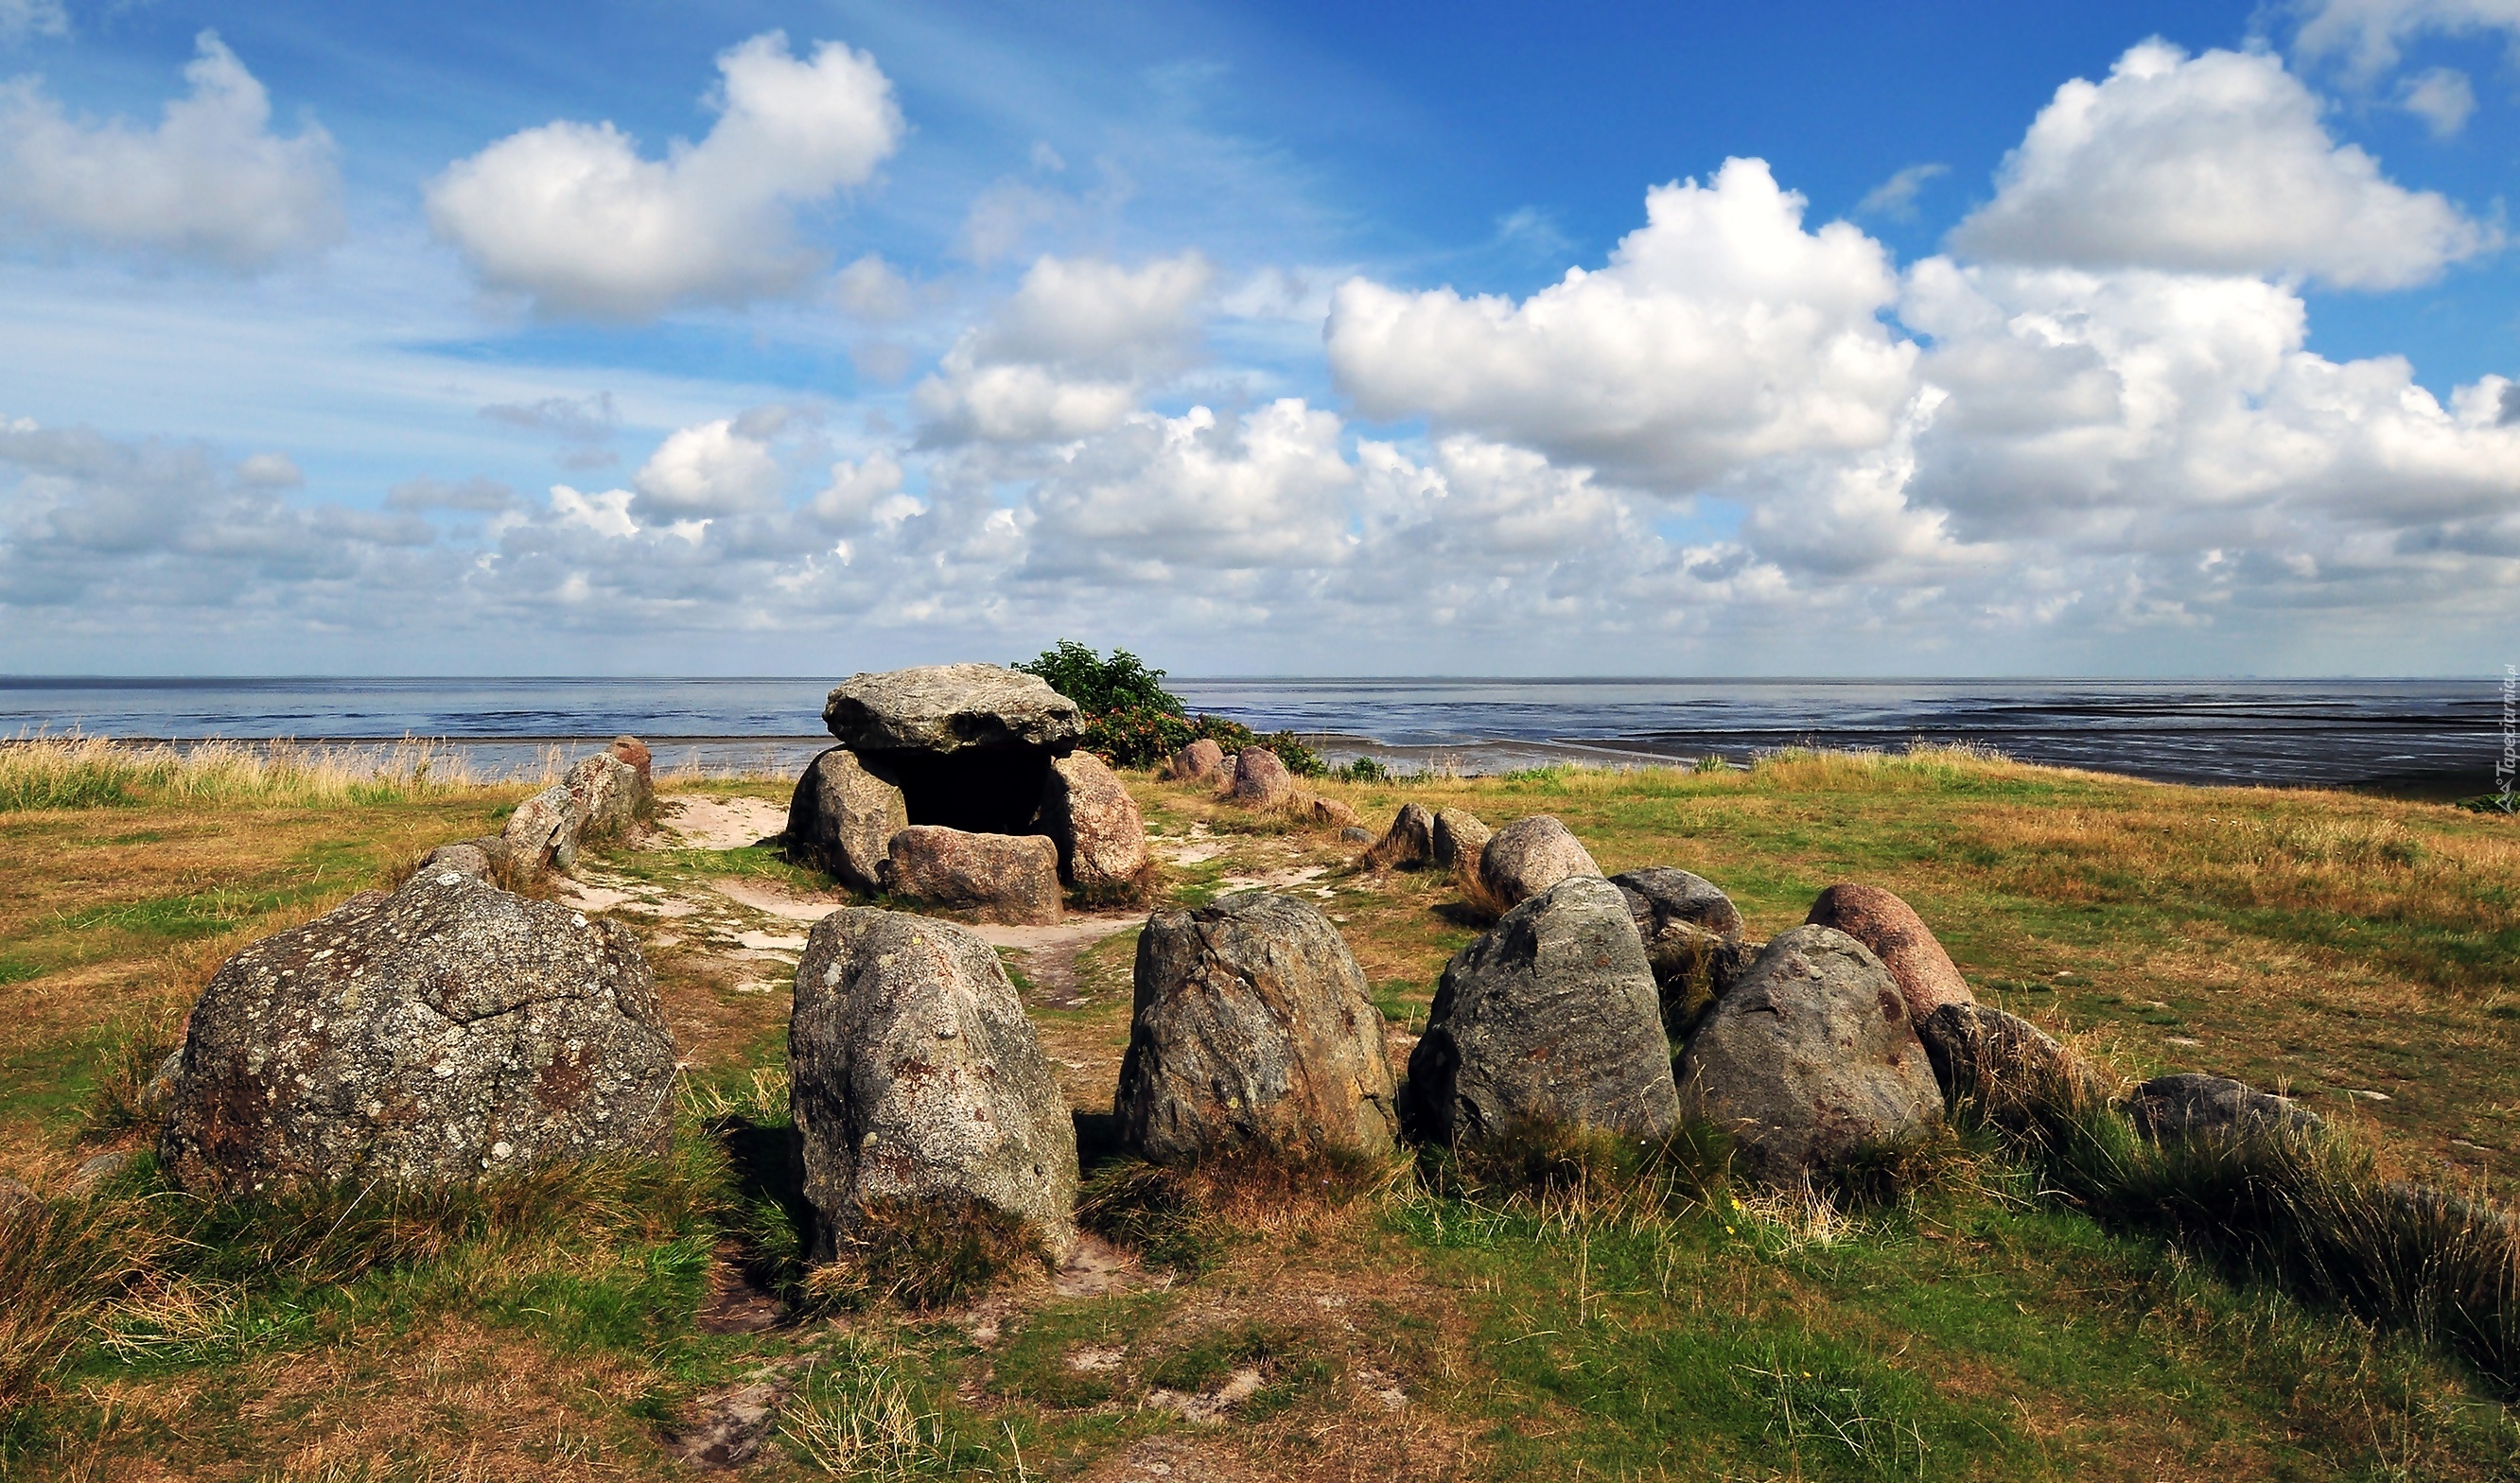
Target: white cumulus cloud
(573, 217)
(2367, 34)
(211, 182)
(32, 17)
(1721, 333)
(716, 469)
(2442, 97)
(1068, 352)
(2215, 164)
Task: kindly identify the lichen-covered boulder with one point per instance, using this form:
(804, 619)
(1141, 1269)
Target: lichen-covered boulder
(608, 795)
(1662, 897)
(1252, 1028)
(1261, 778)
(2192, 1104)
(1808, 1056)
(1900, 939)
(914, 1077)
(1456, 837)
(939, 709)
(997, 877)
(1087, 813)
(632, 751)
(1202, 761)
(1549, 1019)
(542, 834)
(1529, 856)
(842, 817)
(1411, 839)
(444, 1032)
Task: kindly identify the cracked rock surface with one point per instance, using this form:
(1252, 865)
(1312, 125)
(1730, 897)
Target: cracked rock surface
(434, 1035)
(916, 1076)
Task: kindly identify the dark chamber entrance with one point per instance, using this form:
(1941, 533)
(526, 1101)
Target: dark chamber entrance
(992, 791)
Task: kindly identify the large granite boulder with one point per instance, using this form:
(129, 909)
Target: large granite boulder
(1529, 856)
(1458, 836)
(1808, 1056)
(914, 1077)
(997, 877)
(1411, 839)
(1900, 939)
(1261, 778)
(1549, 1019)
(1202, 761)
(542, 834)
(1693, 937)
(970, 746)
(1252, 1028)
(1088, 814)
(609, 797)
(842, 817)
(2016, 1074)
(440, 1034)
(2192, 1104)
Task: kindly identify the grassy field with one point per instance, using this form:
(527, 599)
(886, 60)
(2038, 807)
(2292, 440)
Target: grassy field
(1257, 1322)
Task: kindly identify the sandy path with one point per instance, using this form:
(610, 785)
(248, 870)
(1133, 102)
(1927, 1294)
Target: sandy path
(719, 824)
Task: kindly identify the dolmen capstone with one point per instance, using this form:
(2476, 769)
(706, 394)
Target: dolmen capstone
(1808, 1056)
(1550, 1018)
(916, 1078)
(601, 797)
(1693, 937)
(1252, 1028)
(1900, 939)
(443, 1033)
(1529, 856)
(977, 749)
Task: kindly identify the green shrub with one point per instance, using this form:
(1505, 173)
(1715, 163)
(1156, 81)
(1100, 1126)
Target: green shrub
(1100, 686)
(1361, 770)
(1301, 760)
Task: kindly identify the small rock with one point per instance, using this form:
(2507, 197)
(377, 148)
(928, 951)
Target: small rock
(1900, 939)
(1529, 856)
(1355, 833)
(1457, 836)
(2191, 1104)
(2016, 1071)
(1261, 778)
(916, 1076)
(1328, 813)
(1202, 761)
(15, 1193)
(1548, 1018)
(999, 878)
(1693, 937)
(842, 817)
(159, 1094)
(92, 1172)
(1251, 1026)
(1409, 841)
(1661, 896)
(1808, 1056)
(1101, 838)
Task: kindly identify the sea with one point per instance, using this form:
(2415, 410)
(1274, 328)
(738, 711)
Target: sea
(2434, 736)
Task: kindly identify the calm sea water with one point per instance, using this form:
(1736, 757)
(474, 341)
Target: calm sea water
(2238, 731)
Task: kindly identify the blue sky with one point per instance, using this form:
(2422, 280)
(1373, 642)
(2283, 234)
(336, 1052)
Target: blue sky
(808, 338)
